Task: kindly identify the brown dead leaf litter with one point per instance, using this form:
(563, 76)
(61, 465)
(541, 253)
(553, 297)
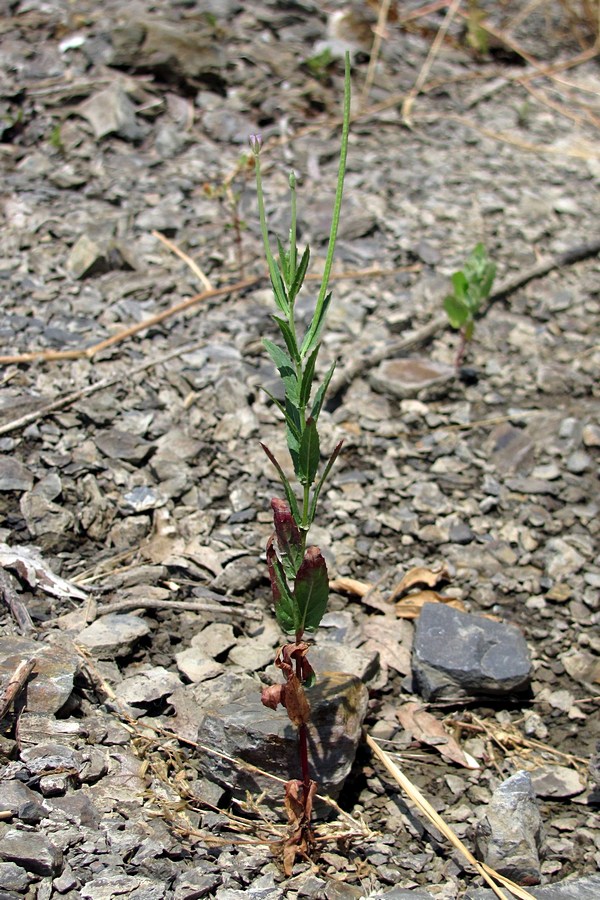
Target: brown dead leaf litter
(134, 496)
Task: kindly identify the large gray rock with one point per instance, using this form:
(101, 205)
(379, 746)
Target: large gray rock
(509, 836)
(265, 738)
(32, 851)
(456, 654)
(587, 888)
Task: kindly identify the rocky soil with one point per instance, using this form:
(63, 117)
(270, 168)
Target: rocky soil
(136, 626)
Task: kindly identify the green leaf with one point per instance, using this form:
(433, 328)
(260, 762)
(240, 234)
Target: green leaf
(289, 338)
(289, 494)
(300, 274)
(460, 285)
(291, 420)
(281, 297)
(469, 329)
(456, 310)
(286, 607)
(321, 482)
(285, 367)
(308, 377)
(311, 590)
(314, 332)
(320, 395)
(284, 263)
(309, 453)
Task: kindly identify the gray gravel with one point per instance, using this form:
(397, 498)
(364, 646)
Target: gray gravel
(146, 493)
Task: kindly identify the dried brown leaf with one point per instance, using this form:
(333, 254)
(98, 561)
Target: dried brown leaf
(428, 730)
(419, 577)
(410, 607)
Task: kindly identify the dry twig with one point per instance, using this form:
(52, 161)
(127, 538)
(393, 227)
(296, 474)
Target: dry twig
(15, 684)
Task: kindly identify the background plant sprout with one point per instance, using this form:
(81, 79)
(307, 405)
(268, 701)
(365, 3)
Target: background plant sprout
(299, 579)
(471, 286)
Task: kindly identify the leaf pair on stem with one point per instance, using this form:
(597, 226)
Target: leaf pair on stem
(298, 574)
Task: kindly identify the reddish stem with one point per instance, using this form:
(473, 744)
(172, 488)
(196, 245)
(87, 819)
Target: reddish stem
(303, 737)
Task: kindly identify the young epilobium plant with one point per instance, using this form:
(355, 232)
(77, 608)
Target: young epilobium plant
(298, 573)
(471, 286)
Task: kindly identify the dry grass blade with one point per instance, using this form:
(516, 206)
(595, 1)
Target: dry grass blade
(384, 10)
(187, 259)
(433, 51)
(489, 875)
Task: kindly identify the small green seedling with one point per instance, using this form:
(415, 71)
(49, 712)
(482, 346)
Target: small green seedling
(298, 573)
(472, 285)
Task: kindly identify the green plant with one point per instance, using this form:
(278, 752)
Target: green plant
(298, 573)
(471, 286)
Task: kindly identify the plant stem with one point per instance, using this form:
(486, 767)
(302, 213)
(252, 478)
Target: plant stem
(337, 206)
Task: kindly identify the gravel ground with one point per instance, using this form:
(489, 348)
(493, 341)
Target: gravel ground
(131, 414)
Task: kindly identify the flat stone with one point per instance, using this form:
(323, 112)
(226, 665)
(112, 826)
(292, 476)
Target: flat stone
(14, 476)
(51, 684)
(556, 782)
(563, 559)
(32, 851)
(456, 654)
(215, 640)
(111, 112)
(123, 445)
(509, 836)
(579, 462)
(196, 666)
(113, 635)
(410, 377)
(264, 737)
(511, 448)
(148, 687)
(586, 888)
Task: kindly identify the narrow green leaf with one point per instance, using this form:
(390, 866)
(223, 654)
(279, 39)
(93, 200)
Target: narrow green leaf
(308, 377)
(284, 263)
(285, 368)
(316, 326)
(292, 417)
(456, 310)
(281, 297)
(321, 482)
(289, 494)
(320, 395)
(299, 275)
(309, 453)
(311, 590)
(289, 338)
(292, 421)
(469, 329)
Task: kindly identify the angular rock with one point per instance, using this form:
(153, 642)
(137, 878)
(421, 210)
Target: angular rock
(191, 700)
(586, 888)
(52, 681)
(111, 112)
(457, 654)
(112, 636)
(196, 666)
(148, 687)
(509, 837)
(14, 476)
(410, 377)
(264, 737)
(32, 851)
(89, 256)
(122, 445)
(43, 516)
(23, 803)
(556, 782)
(13, 878)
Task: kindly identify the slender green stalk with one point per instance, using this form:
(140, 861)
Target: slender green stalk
(337, 204)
